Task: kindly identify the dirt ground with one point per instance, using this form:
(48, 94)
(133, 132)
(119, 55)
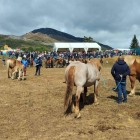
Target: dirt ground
(33, 109)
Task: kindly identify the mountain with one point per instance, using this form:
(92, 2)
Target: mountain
(63, 37)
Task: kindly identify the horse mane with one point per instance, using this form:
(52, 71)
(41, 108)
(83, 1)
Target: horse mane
(96, 62)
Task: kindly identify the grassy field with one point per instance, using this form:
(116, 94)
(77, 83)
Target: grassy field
(33, 109)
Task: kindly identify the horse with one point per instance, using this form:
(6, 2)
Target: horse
(59, 62)
(10, 63)
(15, 67)
(134, 75)
(18, 71)
(49, 63)
(81, 75)
(134, 65)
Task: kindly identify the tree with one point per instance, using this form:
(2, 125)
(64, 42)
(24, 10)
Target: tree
(30, 49)
(23, 49)
(134, 43)
(88, 39)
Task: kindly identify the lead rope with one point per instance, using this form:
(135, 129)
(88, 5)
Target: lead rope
(109, 88)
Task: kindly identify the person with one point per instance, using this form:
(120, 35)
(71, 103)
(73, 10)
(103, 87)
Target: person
(31, 63)
(3, 60)
(119, 71)
(38, 65)
(25, 63)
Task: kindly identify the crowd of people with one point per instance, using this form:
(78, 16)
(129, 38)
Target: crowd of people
(66, 55)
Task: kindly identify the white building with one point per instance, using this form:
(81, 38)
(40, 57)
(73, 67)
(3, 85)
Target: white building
(61, 47)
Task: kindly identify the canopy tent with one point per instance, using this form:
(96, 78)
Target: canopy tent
(76, 47)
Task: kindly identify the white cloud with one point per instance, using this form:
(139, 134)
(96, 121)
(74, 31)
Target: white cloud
(109, 22)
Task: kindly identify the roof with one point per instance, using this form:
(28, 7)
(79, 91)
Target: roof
(72, 46)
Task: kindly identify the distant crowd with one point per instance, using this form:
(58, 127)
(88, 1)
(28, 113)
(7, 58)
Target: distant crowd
(66, 55)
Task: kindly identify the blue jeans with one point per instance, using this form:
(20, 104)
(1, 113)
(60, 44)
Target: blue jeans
(38, 70)
(121, 89)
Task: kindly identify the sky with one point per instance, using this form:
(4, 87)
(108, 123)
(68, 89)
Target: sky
(110, 22)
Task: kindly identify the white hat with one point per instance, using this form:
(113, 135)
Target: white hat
(19, 58)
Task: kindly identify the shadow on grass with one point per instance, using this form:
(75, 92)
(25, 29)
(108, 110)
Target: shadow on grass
(113, 97)
(89, 101)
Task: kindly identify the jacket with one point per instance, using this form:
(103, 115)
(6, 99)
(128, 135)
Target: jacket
(120, 68)
(39, 62)
(25, 63)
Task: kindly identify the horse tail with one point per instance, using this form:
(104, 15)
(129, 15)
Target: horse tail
(70, 84)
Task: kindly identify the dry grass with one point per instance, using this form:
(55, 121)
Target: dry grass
(33, 109)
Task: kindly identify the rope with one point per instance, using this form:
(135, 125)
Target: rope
(109, 88)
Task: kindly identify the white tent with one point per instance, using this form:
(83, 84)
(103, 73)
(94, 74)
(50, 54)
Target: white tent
(76, 47)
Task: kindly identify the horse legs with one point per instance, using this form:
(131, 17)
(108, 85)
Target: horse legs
(96, 92)
(84, 95)
(77, 98)
(13, 75)
(72, 107)
(8, 73)
(132, 80)
(22, 75)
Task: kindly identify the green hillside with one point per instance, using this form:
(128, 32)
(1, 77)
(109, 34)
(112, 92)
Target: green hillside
(24, 45)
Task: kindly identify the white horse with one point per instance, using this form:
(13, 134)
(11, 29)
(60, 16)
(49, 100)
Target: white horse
(81, 75)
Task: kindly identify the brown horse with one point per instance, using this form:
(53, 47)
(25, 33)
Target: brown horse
(10, 63)
(18, 71)
(16, 68)
(59, 62)
(134, 75)
(81, 75)
(49, 63)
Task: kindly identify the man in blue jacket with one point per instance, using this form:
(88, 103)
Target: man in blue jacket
(119, 71)
(38, 65)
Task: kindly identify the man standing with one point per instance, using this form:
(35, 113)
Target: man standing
(119, 71)
(38, 65)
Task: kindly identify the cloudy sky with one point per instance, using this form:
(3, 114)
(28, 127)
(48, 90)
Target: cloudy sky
(111, 22)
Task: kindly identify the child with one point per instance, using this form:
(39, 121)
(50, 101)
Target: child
(31, 63)
(25, 63)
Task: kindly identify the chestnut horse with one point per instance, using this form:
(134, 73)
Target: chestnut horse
(10, 63)
(134, 65)
(59, 62)
(81, 75)
(134, 75)
(49, 63)
(16, 68)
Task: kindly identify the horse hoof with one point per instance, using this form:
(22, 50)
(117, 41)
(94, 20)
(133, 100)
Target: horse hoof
(78, 116)
(96, 103)
(73, 110)
(131, 95)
